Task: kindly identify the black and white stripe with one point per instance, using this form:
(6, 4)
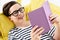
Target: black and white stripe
(24, 34)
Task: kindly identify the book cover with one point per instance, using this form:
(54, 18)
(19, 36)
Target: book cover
(40, 17)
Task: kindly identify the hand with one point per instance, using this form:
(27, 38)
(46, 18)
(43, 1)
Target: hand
(54, 18)
(36, 33)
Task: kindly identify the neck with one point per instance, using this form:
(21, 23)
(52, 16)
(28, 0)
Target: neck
(23, 24)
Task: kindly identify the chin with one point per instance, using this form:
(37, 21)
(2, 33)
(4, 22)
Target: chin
(20, 21)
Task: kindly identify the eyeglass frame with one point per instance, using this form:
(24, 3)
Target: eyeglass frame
(17, 11)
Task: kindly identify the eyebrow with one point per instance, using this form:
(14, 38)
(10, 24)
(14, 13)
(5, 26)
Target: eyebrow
(16, 10)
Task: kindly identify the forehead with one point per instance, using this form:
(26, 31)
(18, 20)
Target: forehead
(14, 7)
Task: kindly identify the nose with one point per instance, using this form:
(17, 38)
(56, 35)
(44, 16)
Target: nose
(19, 13)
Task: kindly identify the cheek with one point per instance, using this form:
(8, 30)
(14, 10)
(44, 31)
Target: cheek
(13, 19)
(22, 14)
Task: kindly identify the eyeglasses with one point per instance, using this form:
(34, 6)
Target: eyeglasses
(15, 13)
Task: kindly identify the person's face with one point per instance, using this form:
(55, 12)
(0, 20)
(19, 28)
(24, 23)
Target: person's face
(16, 13)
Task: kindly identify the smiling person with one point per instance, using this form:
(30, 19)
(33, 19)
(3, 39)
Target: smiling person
(23, 30)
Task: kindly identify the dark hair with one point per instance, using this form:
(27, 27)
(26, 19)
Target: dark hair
(7, 6)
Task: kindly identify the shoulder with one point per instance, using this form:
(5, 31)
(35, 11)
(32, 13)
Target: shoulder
(13, 31)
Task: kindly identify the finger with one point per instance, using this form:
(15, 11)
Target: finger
(34, 28)
(38, 30)
(53, 17)
(38, 34)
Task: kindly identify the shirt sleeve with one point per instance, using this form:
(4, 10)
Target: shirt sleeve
(51, 32)
(49, 35)
(10, 37)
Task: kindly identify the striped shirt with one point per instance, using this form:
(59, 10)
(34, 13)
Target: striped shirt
(24, 34)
